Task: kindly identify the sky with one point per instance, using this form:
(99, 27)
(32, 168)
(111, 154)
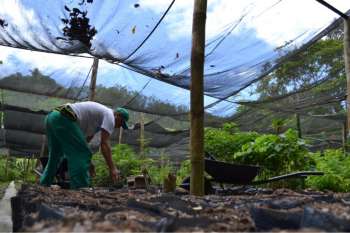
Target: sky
(270, 22)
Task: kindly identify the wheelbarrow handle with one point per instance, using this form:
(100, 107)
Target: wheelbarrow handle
(302, 174)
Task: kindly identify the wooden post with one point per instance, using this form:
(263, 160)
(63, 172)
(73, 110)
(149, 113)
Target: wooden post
(197, 100)
(297, 118)
(7, 164)
(142, 136)
(347, 66)
(345, 136)
(93, 80)
(120, 135)
(142, 151)
(27, 169)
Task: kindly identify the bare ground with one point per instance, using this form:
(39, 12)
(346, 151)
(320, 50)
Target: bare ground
(42, 209)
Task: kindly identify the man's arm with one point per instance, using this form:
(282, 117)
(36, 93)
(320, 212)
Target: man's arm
(107, 154)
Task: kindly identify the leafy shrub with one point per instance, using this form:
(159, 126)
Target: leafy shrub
(224, 142)
(336, 166)
(276, 154)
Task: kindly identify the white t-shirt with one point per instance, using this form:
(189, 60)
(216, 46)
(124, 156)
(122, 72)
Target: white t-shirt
(92, 117)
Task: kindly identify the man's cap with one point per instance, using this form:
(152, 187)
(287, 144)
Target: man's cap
(125, 116)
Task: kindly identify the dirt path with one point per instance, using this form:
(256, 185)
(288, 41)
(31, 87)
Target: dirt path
(5, 208)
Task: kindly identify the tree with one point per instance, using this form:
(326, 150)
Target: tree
(311, 82)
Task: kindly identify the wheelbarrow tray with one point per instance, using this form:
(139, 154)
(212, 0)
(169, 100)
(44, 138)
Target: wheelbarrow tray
(223, 172)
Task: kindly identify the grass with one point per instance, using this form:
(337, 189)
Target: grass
(3, 186)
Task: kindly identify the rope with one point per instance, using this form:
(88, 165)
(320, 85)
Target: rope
(87, 77)
(149, 35)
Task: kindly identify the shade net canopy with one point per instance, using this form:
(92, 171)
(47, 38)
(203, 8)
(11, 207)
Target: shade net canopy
(24, 135)
(153, 38)
(144, 50)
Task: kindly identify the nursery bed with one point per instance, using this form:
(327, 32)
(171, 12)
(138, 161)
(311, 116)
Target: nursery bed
(42, 209)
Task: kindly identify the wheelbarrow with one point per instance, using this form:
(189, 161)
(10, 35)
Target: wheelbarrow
(238, 174)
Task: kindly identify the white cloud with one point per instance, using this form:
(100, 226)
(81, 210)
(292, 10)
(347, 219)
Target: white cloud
(12, 11)
(276, 25)
(44, 61)
(48, 62)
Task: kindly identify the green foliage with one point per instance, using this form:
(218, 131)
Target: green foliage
(17, 169)
(276, 154)
(230, 127)
(184, 171)
(323, 58)
(336, 166)
(224, 142)
(127, 161)
(8, 169)
(277, 125)
(161, 170)
(129, 164)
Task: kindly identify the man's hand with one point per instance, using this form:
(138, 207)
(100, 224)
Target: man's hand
(92, 170)
(115, 175)
(107, 154)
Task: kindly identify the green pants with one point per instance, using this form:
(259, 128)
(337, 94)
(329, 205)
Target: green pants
(65, 139)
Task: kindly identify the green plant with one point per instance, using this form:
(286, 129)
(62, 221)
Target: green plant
(24, 168)
(127, 161)
(160, 170)
(276, 154)
(230, 127)
(18, 169)
(336, 166)
(8, 169)
(184, 171)
(277, 125)
(224, 142)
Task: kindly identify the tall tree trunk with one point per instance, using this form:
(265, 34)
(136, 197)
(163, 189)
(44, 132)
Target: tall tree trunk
(197, 99)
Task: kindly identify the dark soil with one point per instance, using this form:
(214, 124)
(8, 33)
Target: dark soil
(56, 210)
